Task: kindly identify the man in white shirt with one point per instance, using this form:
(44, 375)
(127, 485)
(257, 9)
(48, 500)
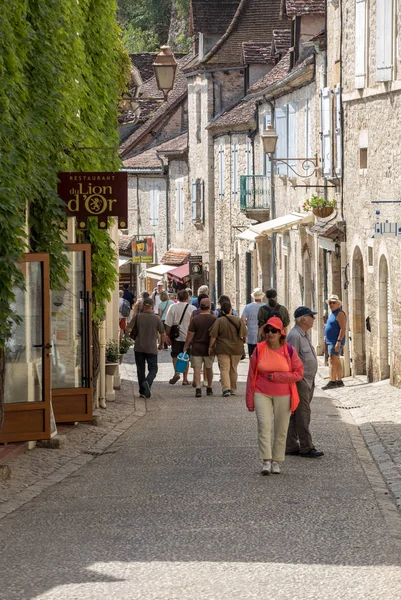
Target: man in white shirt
(179, 314)
(156, 296)
(250, 318)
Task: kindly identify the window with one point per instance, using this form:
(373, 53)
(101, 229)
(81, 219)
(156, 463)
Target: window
(363, 158)
(384, 40)
(234, 182)
(325, 116)
(154, 204)
(360, 43)
(221, 171)
(179, 207)
(286, 129)
(338, 131)
(198, 210)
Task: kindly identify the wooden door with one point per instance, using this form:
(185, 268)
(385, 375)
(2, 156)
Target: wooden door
(27, 408)
(71, 332)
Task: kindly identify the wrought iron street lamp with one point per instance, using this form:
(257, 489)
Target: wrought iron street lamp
(165, 67)
(269, 140)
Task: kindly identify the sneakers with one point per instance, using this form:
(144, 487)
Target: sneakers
(226, 393)
(330, 385)
(312, 453)
(198, 393)
(209, 391)
(266, 467)
(340, 383)
(232, 393)
(146, 389)
(275, 468)
(174, 379)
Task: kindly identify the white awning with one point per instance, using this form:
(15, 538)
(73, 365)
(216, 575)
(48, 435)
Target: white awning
(275, 225)
(158, 270)
(123, 260)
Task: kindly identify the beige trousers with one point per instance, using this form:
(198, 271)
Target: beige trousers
(228, 371)
(265, 406)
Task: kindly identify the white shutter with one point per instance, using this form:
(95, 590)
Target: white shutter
(194, 201)
(337, 98)
(181, 208)
(177, 206)
(326, 131)
(235, 172)
(202, 201)
(360, 43)
(384, 40)
(281, 130)
(221, 171)
(154, 205)
(307, 132)
(292, 137)
(267, 120)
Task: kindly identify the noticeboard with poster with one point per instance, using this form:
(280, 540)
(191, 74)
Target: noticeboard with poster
(143, 250)
(196, 265)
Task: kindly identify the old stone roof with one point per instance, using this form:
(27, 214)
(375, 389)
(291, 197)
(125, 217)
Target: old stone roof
(329, 227)
(297, 8)
(148, 159)
(124, 243)
(281, 41)
(241, 117)
(175, 256)
(211, 16)
(143, 62)
(278, 72)
(253, 20)
(257, 52)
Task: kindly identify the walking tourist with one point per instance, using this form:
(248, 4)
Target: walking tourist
(299, 438)
(164, 305)
(156, 295)
(198, 338)
(250, 318)
(272, 309)
(202, 290)
(138, 306)
(146, 329)
(128, 295)
(227, 337)
(224, 298)
(274, 368)
(334, 335)
(177, 321)
(123, 312)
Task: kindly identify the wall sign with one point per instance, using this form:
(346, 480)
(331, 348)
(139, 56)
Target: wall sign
(195, 265)
(100, 195)
(142, 250)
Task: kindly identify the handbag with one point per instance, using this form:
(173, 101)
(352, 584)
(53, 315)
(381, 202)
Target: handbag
(175, 329)
(237, 329)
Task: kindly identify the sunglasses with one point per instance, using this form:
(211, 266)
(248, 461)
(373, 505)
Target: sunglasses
(271, 330)
(332, 301)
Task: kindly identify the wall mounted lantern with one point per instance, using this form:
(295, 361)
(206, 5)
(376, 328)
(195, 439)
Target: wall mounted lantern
(269, 140)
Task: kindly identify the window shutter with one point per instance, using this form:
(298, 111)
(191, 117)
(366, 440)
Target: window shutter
(292, 137)
(177, 206)
(360, 43)
(325, 115)
(384, 40)
(181, 208)
(194, 200)
(221, 171)
(281, 130)
(235, 172)
(154, 205)
(307, 132)
(338, 132)
(202, 201)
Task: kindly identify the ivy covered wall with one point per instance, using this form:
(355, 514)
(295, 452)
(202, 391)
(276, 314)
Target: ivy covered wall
(62, 69)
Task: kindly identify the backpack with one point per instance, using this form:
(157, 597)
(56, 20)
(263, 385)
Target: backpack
(125, 308)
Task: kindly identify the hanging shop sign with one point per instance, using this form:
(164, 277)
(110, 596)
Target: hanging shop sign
(143, 249)
(100, 195)
(195, 265)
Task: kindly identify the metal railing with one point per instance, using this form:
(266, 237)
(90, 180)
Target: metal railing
(254, 192)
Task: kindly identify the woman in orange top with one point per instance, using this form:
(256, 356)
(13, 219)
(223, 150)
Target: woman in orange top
(274, 368)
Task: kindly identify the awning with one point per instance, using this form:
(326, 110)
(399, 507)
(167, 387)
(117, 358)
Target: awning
(158, 270)
(123, 260)
(179, 273)
(275, 225)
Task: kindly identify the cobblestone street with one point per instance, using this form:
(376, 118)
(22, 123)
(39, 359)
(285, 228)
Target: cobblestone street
(164, 500)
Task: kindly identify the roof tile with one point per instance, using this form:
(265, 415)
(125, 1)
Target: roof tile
(148, 159)
(278, 72)
(257, 52)
(175, 256)
(211, 16)
(297, 8)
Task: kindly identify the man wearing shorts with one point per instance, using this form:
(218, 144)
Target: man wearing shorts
(181, 311)
(198, 336)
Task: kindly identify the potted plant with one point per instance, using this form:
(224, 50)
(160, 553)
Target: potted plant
(320, 207)
(125, 345)
(112, 356)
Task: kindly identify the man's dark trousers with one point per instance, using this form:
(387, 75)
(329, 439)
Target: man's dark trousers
(298, 436)
(141, 358)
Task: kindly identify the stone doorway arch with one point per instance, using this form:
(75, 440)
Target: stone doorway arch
(358, 314)
(384, 319)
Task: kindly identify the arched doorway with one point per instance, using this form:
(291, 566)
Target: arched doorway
(384, 319)
(358, 315)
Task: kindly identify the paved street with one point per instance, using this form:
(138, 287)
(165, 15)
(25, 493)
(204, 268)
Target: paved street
(176, 509)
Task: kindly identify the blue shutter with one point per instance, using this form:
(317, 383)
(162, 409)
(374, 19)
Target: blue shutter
(281, 130)
(384, 40)
(360, 43)
(325, 115)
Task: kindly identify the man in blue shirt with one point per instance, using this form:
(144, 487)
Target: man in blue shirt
(334, 335)
(250, 318)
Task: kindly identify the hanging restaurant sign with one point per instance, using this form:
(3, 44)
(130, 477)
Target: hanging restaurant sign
(142, 249)
(100, 195)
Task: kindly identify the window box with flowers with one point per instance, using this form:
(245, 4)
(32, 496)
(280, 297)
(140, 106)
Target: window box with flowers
(320, 207)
